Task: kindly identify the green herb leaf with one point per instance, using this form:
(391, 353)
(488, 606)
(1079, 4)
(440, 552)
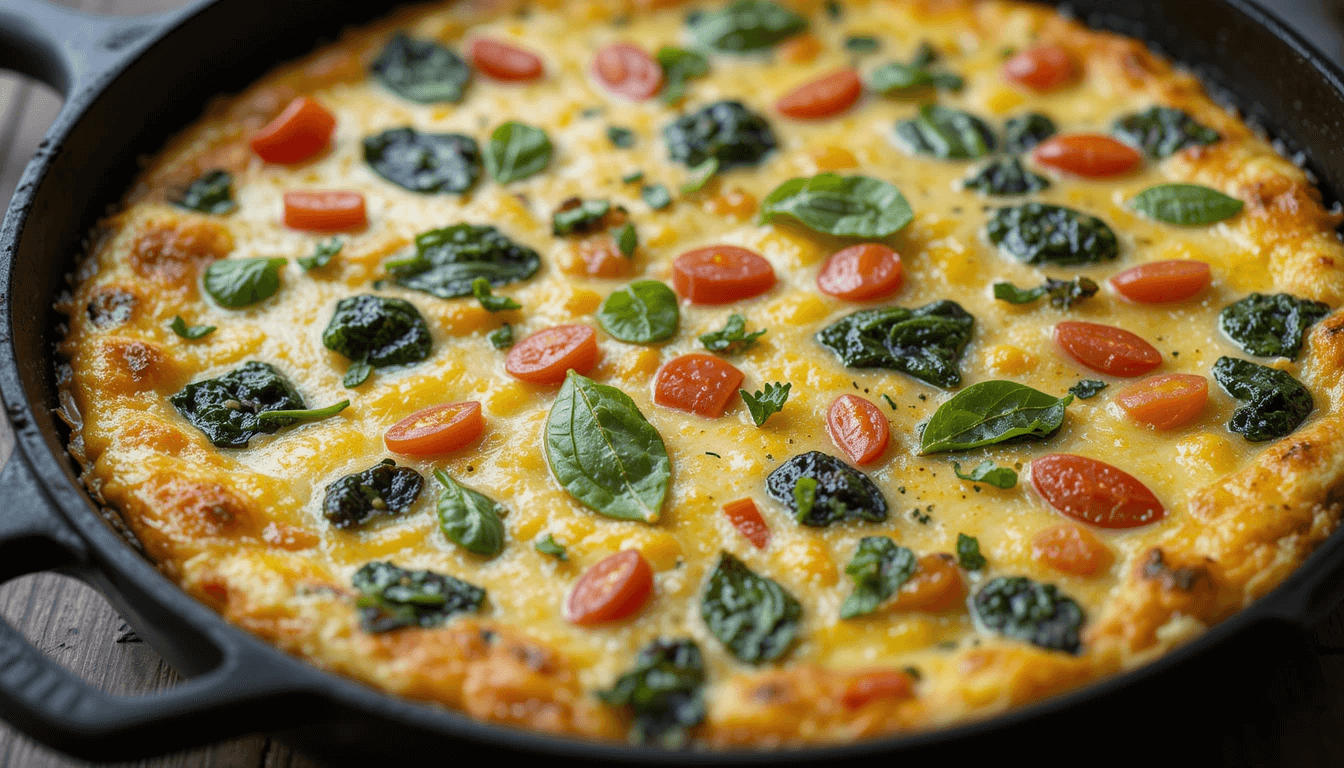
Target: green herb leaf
(986, 472)
(392, 597)
(700, 176)
(656, 195)
(358, 373)
(663, 693)
(879, 567)
(834, 10)
(897, 79)
(191, 332)
(633, 176)
(227, 409)
(1163, 131)
(680, 66)
(468, 518)
(547, 545)
(725, 130)
(1005, 176)
(1276, 404)
(211, 193)
(501, 337)
(992, 412)
(605, 453)
(1035, 233)
(480, 288)
(421, 70)
(621, 138)
(382, 490)
(1040, 614)
(1188, 205)
(946, 134)
(643, 312)
(309, 414)
(326, 251)
(447, 261)
(1063, 293)
(627, 240)
(238, 283)
(765, 402)
(862, 44)
(1087, 389)
(925, 343)
(577, 216)
(804, 496)
(839, 493)
(424, 162)
(744, 26)
(1022, 134)
(377, 331)
(753, 616)
(517, 151)
(845, 206)
(968, 549)
(1271, 326)
(733, 337)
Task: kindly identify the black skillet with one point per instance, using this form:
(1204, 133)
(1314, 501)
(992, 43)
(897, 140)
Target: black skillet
(130, 82)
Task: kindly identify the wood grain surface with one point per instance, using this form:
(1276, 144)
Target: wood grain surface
(1274, 699)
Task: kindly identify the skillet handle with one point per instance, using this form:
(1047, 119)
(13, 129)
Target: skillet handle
(248, 690)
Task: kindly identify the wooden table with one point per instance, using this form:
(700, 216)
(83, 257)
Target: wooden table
(1274, 699)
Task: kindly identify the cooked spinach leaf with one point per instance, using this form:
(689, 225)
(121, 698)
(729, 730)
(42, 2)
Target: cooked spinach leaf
(656, 196)
(392, 597)
(844, 206)
(547, 545)
(896, 78)
(1005, 176)
(605, 453)
(680, 66)
(1040, 614)
(1063, 293)
(620, 138)
(375, 332)
(627, 240)
(724, 130)
(238, 283)
(879, 567)
(1275, 402)
(1035, 233)
(517, 151)
(986, 472)
(968, 549)
(501, 337)
(643, 312)
(382, 490)
(1021, 134)
(1163, 131)
(1087, 389)
(577, 216)
(358, 373)
(421, 70)
(633, 176)
(1271, 326)
(733, 337)
(946, 134)
(841, 492)
(470, 519)
(326, 251)
(992, 412)
(190, 332)
(663, 693)
(211, 193)
(480, 288)
(1188, 205)
(752, 615)
(767, 402)
(925, 343)
(744, 26)
(447, 261)
(226, 409)
(424, 162)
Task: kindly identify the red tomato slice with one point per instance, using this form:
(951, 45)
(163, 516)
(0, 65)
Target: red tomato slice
(298, 133)
(1094, 492)
(721, 274)
(874, 685)
(748, 521)
(1165, 402)
(435, 430)
(626, 70)
(699, 383)
(503, 61)
(858, 428)
(1070, 549)
(1087, 154)
(1041, 68)
(822, 97)
(1161, 282)
(613, 589)
(547, 355)
(861, 272)
(1107, 349)
(326, 211)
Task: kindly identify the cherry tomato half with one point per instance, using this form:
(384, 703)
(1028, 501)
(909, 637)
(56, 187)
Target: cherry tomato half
(1107, 349)
(1041, 68)
(823, 97)
(626, 70)
(861, 272)
(503, 61)
(935, 586)
(298, 133)
(325, 211)
(858, 428)
(1070, 549)
(699, 383)
(547, 355)
(435, 430)
(1161, 282)
(613, 589)
(874, 685)
(1094, 492)
(721, 274)
(744, 516)
(1087, 154)
(1166, 401)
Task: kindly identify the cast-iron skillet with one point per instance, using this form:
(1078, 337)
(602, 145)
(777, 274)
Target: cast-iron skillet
(129, 83)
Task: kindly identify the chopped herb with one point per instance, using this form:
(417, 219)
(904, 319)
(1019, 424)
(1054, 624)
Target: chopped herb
(1087, 389)
(308, 414)
(733, 336)
(804, 496)
(1063, 293)
(627, 240)
(841, 492)
(879, 567)
(480, 288)
(501, 337)
(700, 176)
(766, 402)
(680, 66)
(862, 44)
(211, 193)
(711, 453)
(191, 332)
(392, 597)
(986, 472)
(326, 251)
(834, 11)
(656, 195)
(633, 177)
(621, 138)
(890, 402)
(577, 216)
(968, 553)
(547, 545)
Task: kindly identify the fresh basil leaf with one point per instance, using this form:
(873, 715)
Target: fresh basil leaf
(763, 404)
(392, 597)
(238, 283)
(744, 26)
(968, 548)
(862, 44)
(578, 216)
(1022, 134)
(447, 261)
(227, 409)
(992, 412)
(986, 472)
(358, 373)
(633, 177)
(1087, 389)
(378, 330)
(547, 545)
(501, 337)
(1035, 233)
(211, 193)
(844, 206)
(424, 162)
(1271, 326)
(470, 519)
(421, 70)
(841, 492)
(1276, 404)
(700, 176)
(605, 453)
(663, 693)
(307, 414)
(382, 490)
(480, 288)
(733, 337)
(946, 134)
(1163, 131)
(879, 567)
(725, 130)
(1005, 176)
(1063, 293)
(627, 240)
(1039, 614)
(680, 66)
(326, 251)
(896, 78)
(1188, 205)
(643, 312)
(753, 616)
(621, 138)
(656, 196)
(190, 332)
(517, 151)
(926, 343)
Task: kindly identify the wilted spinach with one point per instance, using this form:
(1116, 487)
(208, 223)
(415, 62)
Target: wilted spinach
(1163, 131)
(190, 332)
(1063, 293)
(680, 66)
(744, 26)
(946, 134)
(643, 312)
(424, 162)
(1271, 326)
(733, 337)
(501, 337)
(226, 409)
(447, 261)
(322, 256)
(517, 151)
(1035, 233)
(392, 597)
(1005, 176)
(238, 283)
(968, 550)
(421, 70)
(879, 567)
(992, 412)
(468, 518)
(1087, 389)
(211, 193)
(724, 130)
(663, 693)
(1040, 614)
(577, 216)
(844, 206)
(382, 490)
(752, 615)
(895, 78)
(926, 343)
(1275, 402)
(656, 196)
(1021, 134)
(986, 472)
(377, 331)
(841, 491)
